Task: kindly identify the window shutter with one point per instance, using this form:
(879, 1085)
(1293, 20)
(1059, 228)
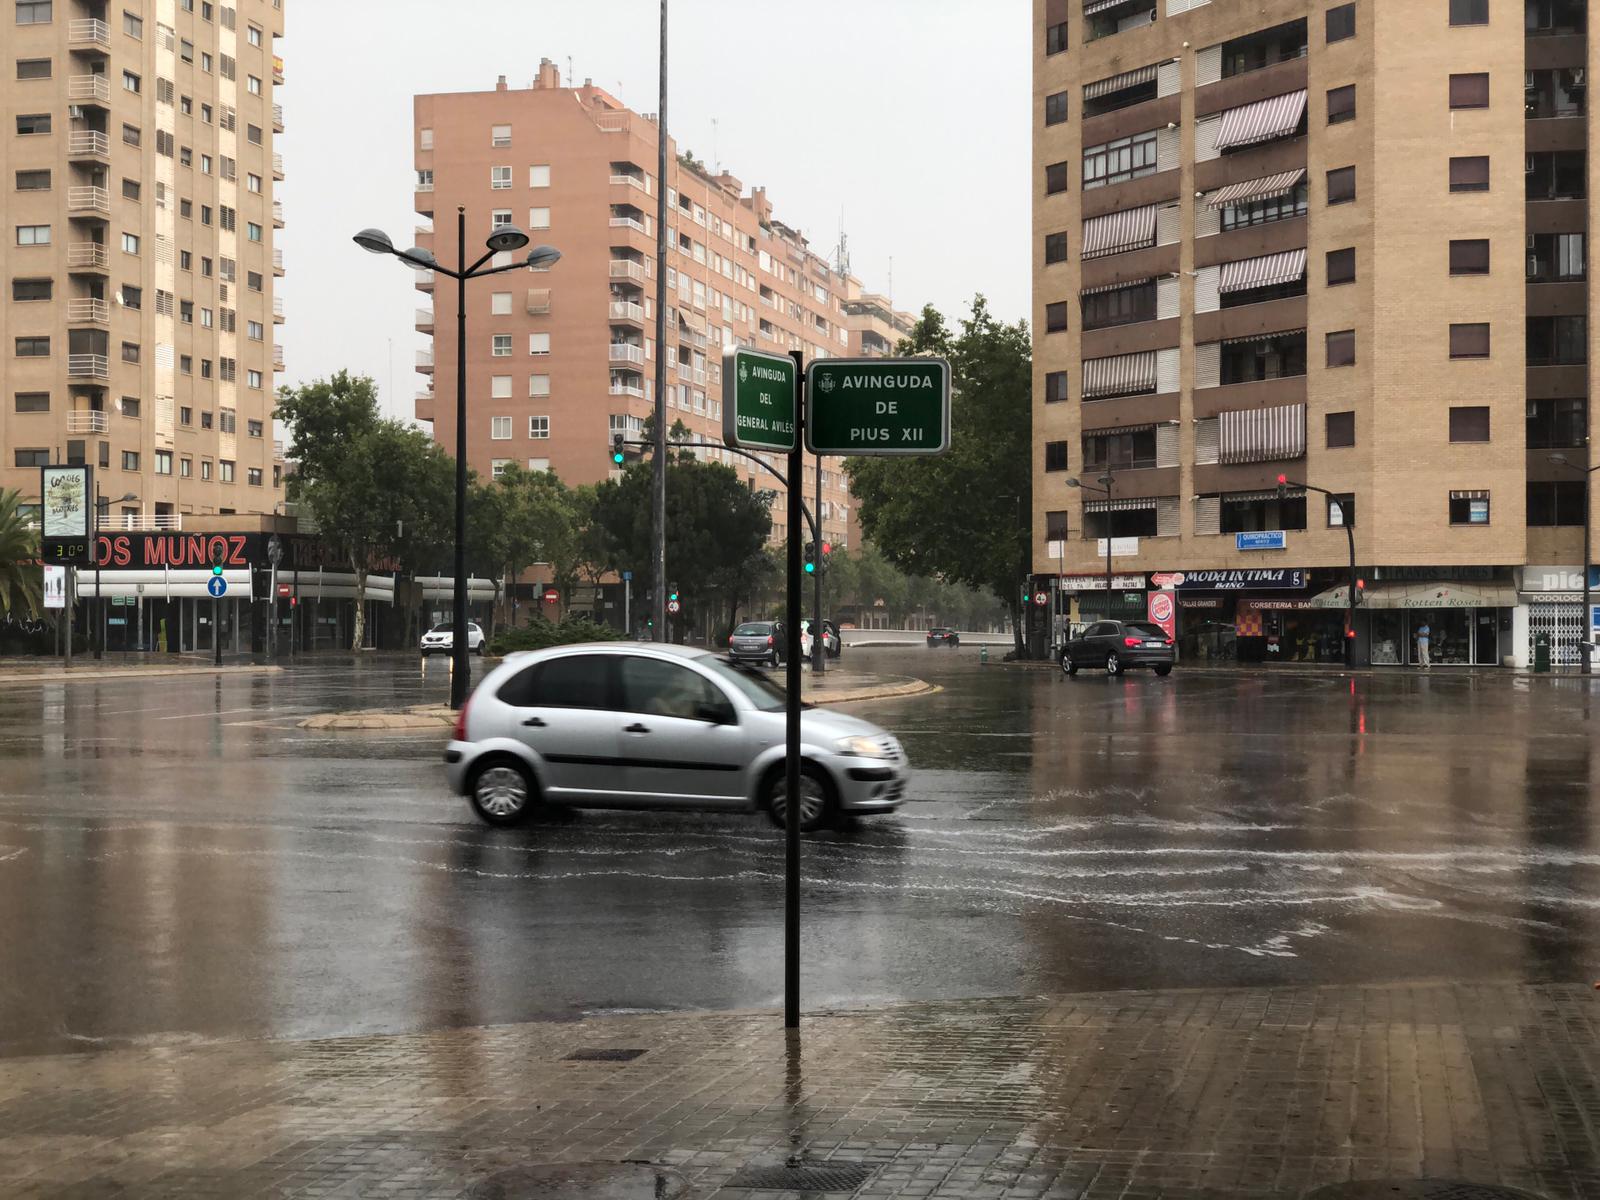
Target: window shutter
(1167, 371)
(1169, 78)
(1208, 365)
(1207, 294)
(1207, 65)
(1166, 299)
(1168, 520)
(538, 301)
(1169, 224)
(1166, 445)
(1207, 515)
(1168, 149)
(1205, 138)
(1207, 440)
(1207, 220)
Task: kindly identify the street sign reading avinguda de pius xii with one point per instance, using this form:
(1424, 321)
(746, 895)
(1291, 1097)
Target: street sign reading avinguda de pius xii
(878, 406)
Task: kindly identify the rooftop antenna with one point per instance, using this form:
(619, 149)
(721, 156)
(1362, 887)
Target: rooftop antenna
(891, 281)
(572, 77)
(716, 159)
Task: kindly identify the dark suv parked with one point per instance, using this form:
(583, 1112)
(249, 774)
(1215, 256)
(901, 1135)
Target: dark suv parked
(1119, 645)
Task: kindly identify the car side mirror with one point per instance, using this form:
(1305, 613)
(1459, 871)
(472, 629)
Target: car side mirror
(715, 714)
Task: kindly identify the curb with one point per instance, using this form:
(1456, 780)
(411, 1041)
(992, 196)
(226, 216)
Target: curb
(66, 676)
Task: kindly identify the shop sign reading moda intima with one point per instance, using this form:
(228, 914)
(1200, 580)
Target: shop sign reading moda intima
(1277, 579)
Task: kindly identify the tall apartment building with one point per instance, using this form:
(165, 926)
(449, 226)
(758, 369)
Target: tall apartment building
(1343, 242)
(138, 259)
(561, 359)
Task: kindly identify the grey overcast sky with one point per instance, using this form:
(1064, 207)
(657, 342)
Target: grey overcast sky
(909, 117)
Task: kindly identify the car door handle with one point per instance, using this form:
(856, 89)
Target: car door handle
(636, 727)
(536, 722)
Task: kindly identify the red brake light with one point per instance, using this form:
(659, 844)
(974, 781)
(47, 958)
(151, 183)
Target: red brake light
(1130, 641)
(461, 721)
(730, 639)
(769, 639)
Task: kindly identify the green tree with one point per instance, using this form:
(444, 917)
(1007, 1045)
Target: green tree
(961, 517)
(21, 580)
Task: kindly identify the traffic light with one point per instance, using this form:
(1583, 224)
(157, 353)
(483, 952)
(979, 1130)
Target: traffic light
(218, 556)
(619, 453)
(1283, 487)
(811, 558)
(824, 558)
(672, 591)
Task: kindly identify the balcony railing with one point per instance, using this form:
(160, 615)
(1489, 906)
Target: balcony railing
(277, 449)
(277, 166)
(86, 421)
(90, 142)
(627, 354)
(89, 87)
(277, 69)
(425, 280)
(87, 366)
(89, 31)
(88, 309)
(623, 310)
(611, 122)
(277, 262)
(90, 255)
(88, 198)
(424, 318)
(622, 269)
(277, 357)
(277, 118)
(277, 213)
(628, 223)
(627, 389)
(633, 181)
(277, 308)
(147, 522)
(424, 360)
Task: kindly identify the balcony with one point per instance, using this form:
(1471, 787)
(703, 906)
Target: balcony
(88, 33)
(89, 87)
(628, 389)
(277, 310)
(621, 352)
(86, 421)
(277, 166)
(88, 311)
(144, 522)
(88, 198)
(629, 223)
(424, 321)
(611, 122)
(630, 181)
(623, 269)
(425, 361)
(277, 214)
(88, 143)
(277, 357)
(277, 69)
(424, 280)
(277, 449)
(277, 262)
(87, 256)
(277, 118)
(626, 310)
(88, 366)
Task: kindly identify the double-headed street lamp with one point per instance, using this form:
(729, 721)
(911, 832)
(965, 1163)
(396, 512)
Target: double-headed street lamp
(1560, 460)
(505, 239)
(1106, 482)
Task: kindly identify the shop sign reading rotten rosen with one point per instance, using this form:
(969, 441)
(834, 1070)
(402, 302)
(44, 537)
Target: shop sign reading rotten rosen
(1267, 579)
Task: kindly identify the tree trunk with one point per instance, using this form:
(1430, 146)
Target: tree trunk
(360, 623)
(1016, 626)
(494, 609)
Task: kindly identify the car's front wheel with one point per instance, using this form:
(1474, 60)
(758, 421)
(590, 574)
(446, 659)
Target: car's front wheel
(501, 792)
(1113, 664)
(817, 804)
(1069, 666)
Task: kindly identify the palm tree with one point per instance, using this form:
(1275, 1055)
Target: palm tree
(21, 580)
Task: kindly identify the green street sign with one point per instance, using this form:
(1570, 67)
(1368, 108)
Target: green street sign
(758, 400)
(878, 406)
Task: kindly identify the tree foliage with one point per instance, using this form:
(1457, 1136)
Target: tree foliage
(21, 581)
(962, 517)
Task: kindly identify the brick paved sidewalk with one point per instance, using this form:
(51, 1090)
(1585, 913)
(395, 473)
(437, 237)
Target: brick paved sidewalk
(1173, 1094)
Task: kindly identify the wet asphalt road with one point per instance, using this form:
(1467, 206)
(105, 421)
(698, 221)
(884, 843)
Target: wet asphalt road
(178, 861)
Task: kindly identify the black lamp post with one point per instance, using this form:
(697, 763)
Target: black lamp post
(505, 239)
(1106, 482)
(1284, 482)
(1588, 633)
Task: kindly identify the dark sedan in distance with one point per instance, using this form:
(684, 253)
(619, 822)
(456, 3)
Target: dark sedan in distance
(1119, 646)
(943, 637)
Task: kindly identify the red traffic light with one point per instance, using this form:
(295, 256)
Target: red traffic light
(1361, 585)
(1282, 479)
(827, 547)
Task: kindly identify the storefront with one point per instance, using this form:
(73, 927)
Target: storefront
(1256, 615)
(1079, 599)
(1552, 606)
(1469, 622)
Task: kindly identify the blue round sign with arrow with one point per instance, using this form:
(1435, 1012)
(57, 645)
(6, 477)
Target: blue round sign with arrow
(217, 586)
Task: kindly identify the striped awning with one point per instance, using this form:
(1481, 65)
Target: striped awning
(1130, 229)
(1252, 190)
(1115, 287)
(1267, 271)
(1257, 497)
(1274, 117)
(1119, 429)
(1120, 375)
(1128, 79)
(1261, 337)
(1090, 7)
(1263, 434)
(1131, 504)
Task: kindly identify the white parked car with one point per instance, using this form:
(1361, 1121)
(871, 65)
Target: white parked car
(647, 725)
(441, 639)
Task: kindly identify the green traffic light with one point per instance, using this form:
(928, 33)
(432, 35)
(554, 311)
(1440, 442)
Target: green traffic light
(216, 569)
(811, 568)
(618, 459)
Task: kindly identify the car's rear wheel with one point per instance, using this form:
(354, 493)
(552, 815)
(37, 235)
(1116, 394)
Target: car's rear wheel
(1113, 664)
(817, 803)
(501, 792)
(1163, 669)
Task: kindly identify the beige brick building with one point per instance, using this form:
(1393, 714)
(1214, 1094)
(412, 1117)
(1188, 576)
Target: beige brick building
(1341, 242)
(562, 358)
(138, 168)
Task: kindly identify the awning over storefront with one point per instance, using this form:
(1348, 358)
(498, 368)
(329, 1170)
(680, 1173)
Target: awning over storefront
(1124, 373)
(1274, 117)
(1263, 434)
(1128, 79)
(1423, 595)
(1269, 270)
(1130, 229)
(1252, 190)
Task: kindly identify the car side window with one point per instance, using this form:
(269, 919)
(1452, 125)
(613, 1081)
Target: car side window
(666, 689)
(573, 681)
(1098, 629)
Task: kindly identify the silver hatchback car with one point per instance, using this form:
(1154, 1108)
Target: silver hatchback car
(644, 725)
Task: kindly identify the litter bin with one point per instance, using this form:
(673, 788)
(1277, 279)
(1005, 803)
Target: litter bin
(1541, 652)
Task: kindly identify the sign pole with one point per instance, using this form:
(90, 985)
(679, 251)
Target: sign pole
(72, 596)
(791, 760)
(819, 655)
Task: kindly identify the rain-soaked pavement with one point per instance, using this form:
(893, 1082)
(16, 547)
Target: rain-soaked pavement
(178, 860)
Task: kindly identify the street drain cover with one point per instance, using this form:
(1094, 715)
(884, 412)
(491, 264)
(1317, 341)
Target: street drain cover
(602, 1054)
(804, 1177)
(582, 1181)
(1419, 1189)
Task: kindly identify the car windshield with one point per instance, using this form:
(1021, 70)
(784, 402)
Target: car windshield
(753, 629)
(446, 628)
(748, 682)
(1145, 630)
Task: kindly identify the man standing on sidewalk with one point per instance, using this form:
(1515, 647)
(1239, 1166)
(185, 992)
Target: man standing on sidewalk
(1424, 635)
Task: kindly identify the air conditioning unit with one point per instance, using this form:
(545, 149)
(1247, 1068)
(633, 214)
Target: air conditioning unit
(75, 112)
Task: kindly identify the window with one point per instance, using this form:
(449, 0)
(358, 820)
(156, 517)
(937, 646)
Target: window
(163, 462)
(207, 420)
(252, 35)
(1341, 266)
(32, 458)
(205, 468)
(186, 311)
(1342, 104)
(538, 218)
(130, 460)
(225, 470)
(205, 373)
(1554, 92)
(1469, 508)
(1265, 48)
(130, 82)
(1543, 17)
(31, 289)
(33, 347)
(252, 85)
(33, 235)
(1469, 341)
(1469, 174)
(185, 468)
(29, 124)
(539, 428)
(253, 379)
(1252, 512)
(1055, 38)
(207, 318)
(1555, 175)
(252, 183)
(1276, 356)
(129, 406)
(1055, 316)
(33, 181)
(130, 352)
(1555, 502)
(500, 345)
(1557, 424)
(538, 343)
(1055, 108)
(186, 364)
(539, 176)
(1557, 341)
(1113, 162)
(1055, 386)
(252, 231)
(33, 68)
(500, 178)
(538, 385)
(1122, 96)
(130, 189)
(185, 416)
(1469, 90)
(1342, 348)
(130, 243)
(131, 136)
(1469, 256)
(1132, 451)
(254, 330)
(1055, 526)
(499, 217)
(252, 476)
(497, 467)
(1259, 295)
(1120, 306)
(1469, 12)
(252, 134)
(1341, 510)
(1055, 248)
(1469, 423)
(1055, 178)
(500, 304)
(253, 280)
(1341, 185)
(1341, 429)
(253, 428)
(425, 139)
(500, 136)
(500, 428)
(33, 12)
(1055, 456)
(33, 402)
(1341, 23)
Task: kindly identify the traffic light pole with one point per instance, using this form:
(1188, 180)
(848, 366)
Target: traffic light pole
(791, 751)
(810, 518)
(819, 649)
(1284, 482)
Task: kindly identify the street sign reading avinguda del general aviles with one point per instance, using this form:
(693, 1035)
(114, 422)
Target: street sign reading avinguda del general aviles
(878, 406)
(758, 400)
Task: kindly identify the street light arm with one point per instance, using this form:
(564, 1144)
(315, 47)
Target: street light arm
(472, 271)
(516, 266)
(816, 535)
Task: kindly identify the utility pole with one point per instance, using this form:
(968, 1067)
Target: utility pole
(658, 491)
(819, 650)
